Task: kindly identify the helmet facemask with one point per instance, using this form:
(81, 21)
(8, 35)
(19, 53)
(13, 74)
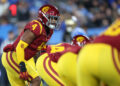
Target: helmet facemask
(53, 22)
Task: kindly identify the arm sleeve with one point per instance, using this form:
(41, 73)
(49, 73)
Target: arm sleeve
(20, 51)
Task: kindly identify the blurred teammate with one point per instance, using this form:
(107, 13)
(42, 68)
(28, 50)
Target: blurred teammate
(102, 61)
(66, 65)
(17, 57)
(47, 63)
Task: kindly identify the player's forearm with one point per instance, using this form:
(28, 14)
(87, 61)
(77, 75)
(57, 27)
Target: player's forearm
(20, 51)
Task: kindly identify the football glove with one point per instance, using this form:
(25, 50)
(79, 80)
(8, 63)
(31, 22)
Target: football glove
(23, 71)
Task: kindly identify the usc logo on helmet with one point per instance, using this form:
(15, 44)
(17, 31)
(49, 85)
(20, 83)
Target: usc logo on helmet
(80, 39)
(45, 9)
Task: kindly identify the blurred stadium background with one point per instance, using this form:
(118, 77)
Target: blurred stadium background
(91, 17)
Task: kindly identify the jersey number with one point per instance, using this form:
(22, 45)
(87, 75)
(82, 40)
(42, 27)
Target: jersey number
(34, 26)
(41, 46)
(55, 49)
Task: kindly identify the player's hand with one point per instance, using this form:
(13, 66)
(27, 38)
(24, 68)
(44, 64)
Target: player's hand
(24, 75)
(23, 71)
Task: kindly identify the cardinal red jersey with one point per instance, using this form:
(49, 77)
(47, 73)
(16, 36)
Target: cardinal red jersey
(111, 36)
(41, 38)
(55, 51)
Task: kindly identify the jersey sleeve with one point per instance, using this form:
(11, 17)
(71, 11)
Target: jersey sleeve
(35, 27)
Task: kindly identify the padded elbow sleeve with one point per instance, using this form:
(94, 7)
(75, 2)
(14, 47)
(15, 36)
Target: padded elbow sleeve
(20, 51)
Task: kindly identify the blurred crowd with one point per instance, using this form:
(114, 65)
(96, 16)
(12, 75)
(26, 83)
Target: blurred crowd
(88, 16)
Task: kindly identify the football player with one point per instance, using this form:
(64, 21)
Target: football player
(17, 57)
(102, 61)
(66, 65)
(47, 63)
